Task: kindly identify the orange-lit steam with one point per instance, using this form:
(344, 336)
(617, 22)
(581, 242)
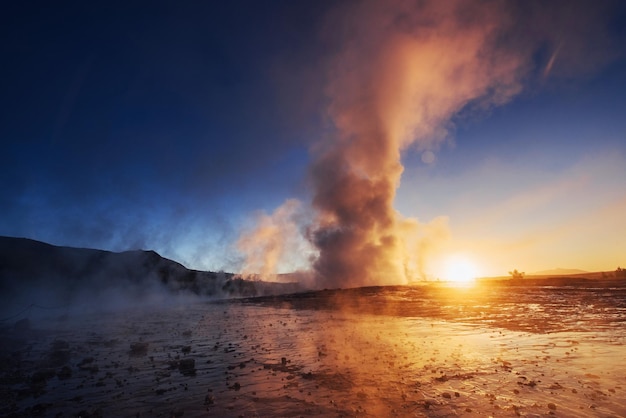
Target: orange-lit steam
(402, 71)
(274, 238)
(406, 68)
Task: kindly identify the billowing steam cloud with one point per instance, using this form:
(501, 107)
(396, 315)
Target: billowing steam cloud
(404, 70)
(275, 240)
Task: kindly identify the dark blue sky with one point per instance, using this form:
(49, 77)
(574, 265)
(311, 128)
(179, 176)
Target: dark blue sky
(165, 125)
(118, 118)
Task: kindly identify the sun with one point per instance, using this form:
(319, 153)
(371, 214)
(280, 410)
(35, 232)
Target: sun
(460, 270)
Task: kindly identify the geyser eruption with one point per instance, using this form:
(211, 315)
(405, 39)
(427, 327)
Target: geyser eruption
(406, 68)
(403, 70)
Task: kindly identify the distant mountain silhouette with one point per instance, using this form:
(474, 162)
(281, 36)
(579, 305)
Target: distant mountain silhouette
(558, 272)
(36, 272)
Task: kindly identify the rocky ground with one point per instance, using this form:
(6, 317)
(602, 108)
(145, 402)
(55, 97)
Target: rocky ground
(272, 358)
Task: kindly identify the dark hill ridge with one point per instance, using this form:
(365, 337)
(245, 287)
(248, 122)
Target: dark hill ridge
(46, 272)
(27, 260)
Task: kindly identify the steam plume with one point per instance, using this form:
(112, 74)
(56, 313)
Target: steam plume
(406, 68)
(275, 240)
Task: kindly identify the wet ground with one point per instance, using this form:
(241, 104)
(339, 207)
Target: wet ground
(393, 351)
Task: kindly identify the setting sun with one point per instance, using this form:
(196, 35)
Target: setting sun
(460, 270)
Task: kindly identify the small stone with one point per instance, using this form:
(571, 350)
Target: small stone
(86, 361)
(187, 366)
(446, 395)
(551, 406)
(64, 373)
(139, 349)
(177, 413)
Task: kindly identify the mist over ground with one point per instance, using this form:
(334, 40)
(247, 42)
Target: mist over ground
(39, 279)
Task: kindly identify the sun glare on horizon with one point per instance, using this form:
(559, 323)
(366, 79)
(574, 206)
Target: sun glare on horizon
(460, 270)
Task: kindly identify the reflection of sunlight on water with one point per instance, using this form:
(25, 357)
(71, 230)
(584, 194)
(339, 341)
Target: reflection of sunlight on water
(466, 283)
(403, 352)
(403, 360)
(375, 365)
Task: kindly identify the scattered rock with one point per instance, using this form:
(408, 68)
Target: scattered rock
(86, 364)
(139, 349)
(40, 409)
(59, 354)
(39, 379)
(97, 413)
(64, 373)
(86, 360)
(552, 406)
(428, 403)
(187, 366)
(177, 413)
